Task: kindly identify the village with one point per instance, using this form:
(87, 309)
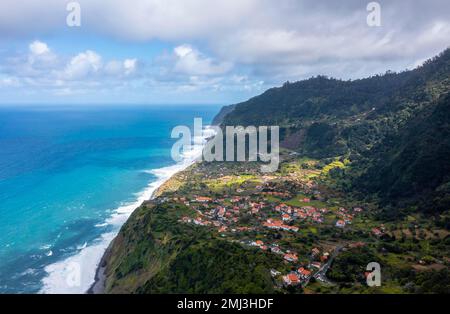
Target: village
(273, 215)
(225, 214)
(290, 232)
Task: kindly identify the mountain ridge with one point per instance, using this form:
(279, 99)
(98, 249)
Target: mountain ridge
(364, 120)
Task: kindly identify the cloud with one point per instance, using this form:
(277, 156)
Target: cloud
(185, 70)
(220, 45)
(282, 39)
(39, 48)
(191, 62)
(129, 66)
(82, 65)
(40, 68)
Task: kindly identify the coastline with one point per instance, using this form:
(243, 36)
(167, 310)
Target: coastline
(99, 280)
(97, 287)
(61, 276)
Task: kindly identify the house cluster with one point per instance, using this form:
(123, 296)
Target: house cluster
(255, 207)
(274, 248)
(221, 213)
(345, 217)
(288, 255)
(225, 214)
(303, 274)
(260, 244)
(311, 213)
(278, 194)
(228, 210)
(316, 255)
(294, 278)
(279, 225)
(199, 221)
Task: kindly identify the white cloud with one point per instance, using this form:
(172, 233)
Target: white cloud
(285, 38)
(191, 62)
(117, 68)
(235, 44)
(86, 71)
(39, 48)
(82, 65)
(130, 66)
(186, 69)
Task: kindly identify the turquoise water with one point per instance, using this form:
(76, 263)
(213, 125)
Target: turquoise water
(64, 171)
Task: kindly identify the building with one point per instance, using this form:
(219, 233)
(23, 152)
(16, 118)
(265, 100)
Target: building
(286, 217)
(290, 257)
(315, 251)
(275, 249)
(291, 279)
(202, 199)
(304, 273)
(274, 272)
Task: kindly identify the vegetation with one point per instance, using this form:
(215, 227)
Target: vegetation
(394, 128)
(364, 177)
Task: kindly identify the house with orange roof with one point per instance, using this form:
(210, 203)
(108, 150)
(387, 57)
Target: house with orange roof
(202, 199)
(291, 279)
(278, 224)
(286, 217)
(289, 228)
(304, 273)
(290, 257)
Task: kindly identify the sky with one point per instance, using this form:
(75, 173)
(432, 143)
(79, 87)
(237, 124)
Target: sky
(204, 51)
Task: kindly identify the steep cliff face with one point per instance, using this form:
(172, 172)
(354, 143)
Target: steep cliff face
(395, 131)
(393, 127)
(323, 117)
(412, 166)
(156, 253)
(218, 119)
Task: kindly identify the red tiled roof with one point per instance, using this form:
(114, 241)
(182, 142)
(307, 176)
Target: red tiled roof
(293, 278)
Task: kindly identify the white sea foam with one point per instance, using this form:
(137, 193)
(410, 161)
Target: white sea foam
(76, 273)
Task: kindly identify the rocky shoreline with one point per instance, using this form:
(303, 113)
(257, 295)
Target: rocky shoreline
(98, 287)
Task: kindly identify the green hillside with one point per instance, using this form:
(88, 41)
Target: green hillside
(371, 182)
(154, 253)
(393, 127)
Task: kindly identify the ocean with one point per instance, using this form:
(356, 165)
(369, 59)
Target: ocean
(69, 178)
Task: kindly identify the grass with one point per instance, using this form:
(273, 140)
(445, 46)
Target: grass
(333, 165)
(393, 260)
(231, 181)
(298, 202)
